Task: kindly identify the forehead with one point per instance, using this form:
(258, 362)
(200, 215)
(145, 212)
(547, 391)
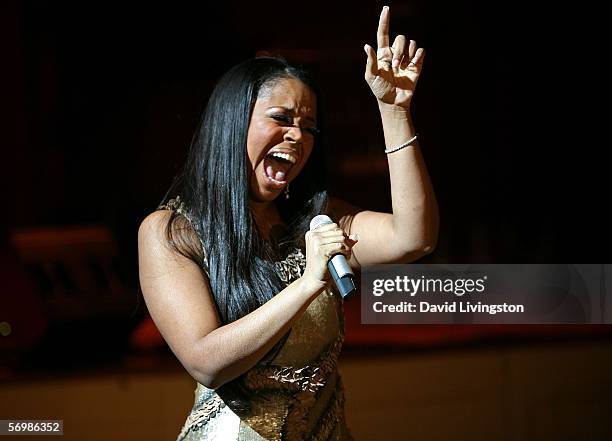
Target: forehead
(288, 93)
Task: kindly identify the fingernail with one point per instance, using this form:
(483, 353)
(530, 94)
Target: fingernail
(386, 8)
(396, 62)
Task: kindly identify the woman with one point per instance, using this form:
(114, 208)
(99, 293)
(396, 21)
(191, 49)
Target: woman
(236, 283)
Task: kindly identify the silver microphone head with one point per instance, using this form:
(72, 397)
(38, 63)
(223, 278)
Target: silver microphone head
(319, 221)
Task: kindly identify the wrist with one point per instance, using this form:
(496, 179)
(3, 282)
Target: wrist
(393, 109)
(311, 286)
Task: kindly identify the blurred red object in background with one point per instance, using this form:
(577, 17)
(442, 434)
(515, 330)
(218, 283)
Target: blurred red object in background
(146, 337)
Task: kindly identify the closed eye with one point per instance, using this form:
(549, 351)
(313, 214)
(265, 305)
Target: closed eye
(287, 123)
(282, 118)
(312, 130)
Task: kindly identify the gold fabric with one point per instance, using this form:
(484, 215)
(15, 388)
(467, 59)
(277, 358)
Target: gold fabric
(296, 395)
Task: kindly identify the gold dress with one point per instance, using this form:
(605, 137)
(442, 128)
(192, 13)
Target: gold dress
(297, 394)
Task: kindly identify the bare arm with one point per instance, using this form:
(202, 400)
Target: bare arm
(411, 230)
(179, 299)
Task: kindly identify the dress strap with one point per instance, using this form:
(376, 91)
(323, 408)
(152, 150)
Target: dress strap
(174, 204)
(177, 205)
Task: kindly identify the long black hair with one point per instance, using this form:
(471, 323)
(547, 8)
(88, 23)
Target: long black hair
(214, 186)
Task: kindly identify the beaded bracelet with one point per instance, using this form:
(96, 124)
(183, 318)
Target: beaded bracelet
(399, 147)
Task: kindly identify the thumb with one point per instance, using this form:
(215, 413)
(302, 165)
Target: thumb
(371, 64)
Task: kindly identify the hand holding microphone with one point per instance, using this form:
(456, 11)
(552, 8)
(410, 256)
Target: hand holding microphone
(327, 250)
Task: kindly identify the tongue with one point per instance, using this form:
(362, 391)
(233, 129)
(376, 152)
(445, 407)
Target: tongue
(279, 175)
(277, 169)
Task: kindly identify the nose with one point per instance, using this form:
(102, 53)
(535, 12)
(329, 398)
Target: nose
(293, 134)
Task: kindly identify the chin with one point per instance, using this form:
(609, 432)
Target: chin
(265, 195)
(266, 189)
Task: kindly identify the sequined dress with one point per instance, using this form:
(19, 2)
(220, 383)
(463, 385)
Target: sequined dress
(297, 394)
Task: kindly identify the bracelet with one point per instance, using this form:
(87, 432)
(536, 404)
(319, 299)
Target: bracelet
(399, 147)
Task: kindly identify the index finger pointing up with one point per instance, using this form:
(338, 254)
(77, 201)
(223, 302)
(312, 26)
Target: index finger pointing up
(382, 36)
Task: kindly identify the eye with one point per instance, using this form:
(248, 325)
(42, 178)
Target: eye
(312, 130)
(282, 118)
(287, 121)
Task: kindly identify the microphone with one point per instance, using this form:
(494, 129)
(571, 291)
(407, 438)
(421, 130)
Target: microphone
(338, 266)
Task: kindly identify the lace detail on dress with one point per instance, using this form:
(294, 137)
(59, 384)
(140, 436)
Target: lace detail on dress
(290, 269)
(201, 416)
(175, 204)
(307, 378)
(305, 385)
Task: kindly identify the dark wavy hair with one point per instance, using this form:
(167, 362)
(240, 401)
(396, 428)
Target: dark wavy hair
(214, 185)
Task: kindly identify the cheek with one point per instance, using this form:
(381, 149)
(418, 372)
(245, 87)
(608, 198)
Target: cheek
(252, 143)
(259, 141)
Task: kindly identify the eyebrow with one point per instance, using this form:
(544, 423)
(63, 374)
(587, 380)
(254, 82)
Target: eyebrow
(288, 109)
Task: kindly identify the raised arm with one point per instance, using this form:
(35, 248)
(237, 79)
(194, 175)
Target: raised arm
(411, 230)
(179, 299)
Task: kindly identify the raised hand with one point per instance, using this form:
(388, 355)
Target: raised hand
(392, 72)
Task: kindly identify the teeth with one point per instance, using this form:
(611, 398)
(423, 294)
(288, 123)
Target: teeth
(284, 156)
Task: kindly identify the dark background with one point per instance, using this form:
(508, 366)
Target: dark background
(101, 99)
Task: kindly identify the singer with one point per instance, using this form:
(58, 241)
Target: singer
(233, 277)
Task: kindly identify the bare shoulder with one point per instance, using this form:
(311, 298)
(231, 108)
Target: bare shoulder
(154, 226)
(175, 288)
(156, 256)
(153, 233)
(152, 229)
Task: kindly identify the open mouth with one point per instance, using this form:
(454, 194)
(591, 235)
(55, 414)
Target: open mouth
(277, 166)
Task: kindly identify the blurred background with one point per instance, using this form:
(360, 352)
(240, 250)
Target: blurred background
(100, 101)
